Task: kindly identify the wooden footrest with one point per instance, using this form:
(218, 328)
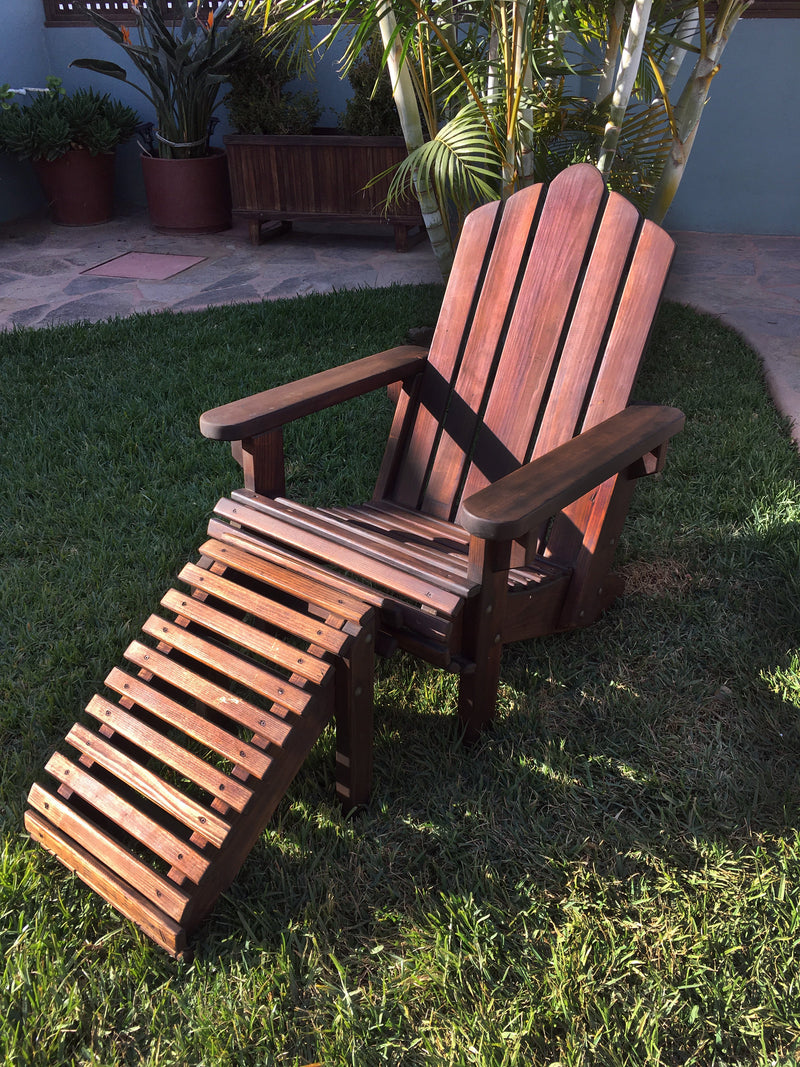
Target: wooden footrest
(157, 806)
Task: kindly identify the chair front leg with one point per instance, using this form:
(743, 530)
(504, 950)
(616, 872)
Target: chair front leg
(482, 642)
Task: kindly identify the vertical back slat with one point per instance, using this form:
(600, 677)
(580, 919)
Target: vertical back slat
(480, 353)
(421, 431)
(580, 529)
(589, 325)
(632, 324)
(541, 332)
(544, 301)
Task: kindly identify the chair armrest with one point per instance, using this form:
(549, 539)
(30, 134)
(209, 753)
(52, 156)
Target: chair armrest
(522, 500)
(265, 411)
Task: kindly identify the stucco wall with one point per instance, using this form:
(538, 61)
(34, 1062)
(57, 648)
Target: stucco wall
(23, 61)
(744, 171)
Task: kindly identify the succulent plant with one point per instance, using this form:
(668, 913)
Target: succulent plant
(53, 122)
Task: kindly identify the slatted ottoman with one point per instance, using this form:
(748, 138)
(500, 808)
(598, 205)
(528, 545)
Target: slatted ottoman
(157, 806)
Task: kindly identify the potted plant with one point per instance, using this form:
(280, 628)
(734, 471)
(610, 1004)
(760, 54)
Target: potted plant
(282, 170)
(186, 180)
(70, 140)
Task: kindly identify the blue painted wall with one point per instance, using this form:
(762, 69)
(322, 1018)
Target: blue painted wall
(743, 175)
(23, 61)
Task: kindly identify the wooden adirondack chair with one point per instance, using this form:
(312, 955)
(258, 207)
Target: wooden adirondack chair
(508, 472)
(512, 456)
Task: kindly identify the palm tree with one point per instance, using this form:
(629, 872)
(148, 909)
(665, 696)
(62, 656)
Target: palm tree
(492, 93)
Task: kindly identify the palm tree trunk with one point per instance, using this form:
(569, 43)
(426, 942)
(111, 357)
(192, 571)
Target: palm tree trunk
(691, 103)
(684, 34)
(626, 77)
(616, 17)
(411, 123)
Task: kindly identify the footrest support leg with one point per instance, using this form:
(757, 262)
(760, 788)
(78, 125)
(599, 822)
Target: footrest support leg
(354, 719)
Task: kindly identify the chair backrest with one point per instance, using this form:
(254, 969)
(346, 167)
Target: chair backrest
(544, 321)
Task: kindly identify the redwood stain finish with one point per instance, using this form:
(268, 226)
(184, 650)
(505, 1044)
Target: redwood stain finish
(512, 451)
(167, 797)
(505, 485)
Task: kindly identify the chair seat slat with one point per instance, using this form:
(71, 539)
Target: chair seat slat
(423, 546)
(449, 533)
(260, 516)
(394, 611)
(434, 567)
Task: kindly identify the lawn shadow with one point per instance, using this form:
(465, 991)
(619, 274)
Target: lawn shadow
(642, 745)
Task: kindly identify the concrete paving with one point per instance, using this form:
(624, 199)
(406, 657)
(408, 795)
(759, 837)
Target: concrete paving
(750, 282)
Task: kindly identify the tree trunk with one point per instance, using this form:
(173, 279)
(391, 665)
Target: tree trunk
(408, 110)
(628, 69)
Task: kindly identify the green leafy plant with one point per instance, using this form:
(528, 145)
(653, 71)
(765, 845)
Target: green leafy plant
(258, 101)
(184, 71)
(371, 110)
(55, 122)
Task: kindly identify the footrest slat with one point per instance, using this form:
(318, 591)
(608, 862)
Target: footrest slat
(246, 563)
(318, 633)
(165, 801)
(271, 648)
(256, 678)
(150, 919)
(216, 698)
(198, 819)
(219, 785)
(162, 892)
(147, 831)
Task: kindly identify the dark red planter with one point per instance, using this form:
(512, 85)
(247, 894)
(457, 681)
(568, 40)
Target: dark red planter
(188, 195)
(79, 187)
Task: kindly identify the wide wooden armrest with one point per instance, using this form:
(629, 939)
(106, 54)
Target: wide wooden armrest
(522, 500)
(257, 414)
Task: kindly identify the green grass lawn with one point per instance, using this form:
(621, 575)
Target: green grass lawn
(611, 876)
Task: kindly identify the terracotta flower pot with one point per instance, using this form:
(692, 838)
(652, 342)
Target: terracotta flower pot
(188, 195)
(79, 187)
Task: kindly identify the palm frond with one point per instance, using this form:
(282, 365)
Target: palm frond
(461, 165)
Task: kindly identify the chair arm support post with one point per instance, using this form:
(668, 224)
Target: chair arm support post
(651, 463)
(519, 502)
(262, 463)
(258, 414)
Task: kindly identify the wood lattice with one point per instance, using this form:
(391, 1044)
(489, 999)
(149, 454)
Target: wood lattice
(73, 12)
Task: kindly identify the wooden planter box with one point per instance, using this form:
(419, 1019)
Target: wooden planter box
(319, 176)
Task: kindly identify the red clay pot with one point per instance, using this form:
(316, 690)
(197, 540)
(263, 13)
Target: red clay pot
(188, 195)
(79, 187)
